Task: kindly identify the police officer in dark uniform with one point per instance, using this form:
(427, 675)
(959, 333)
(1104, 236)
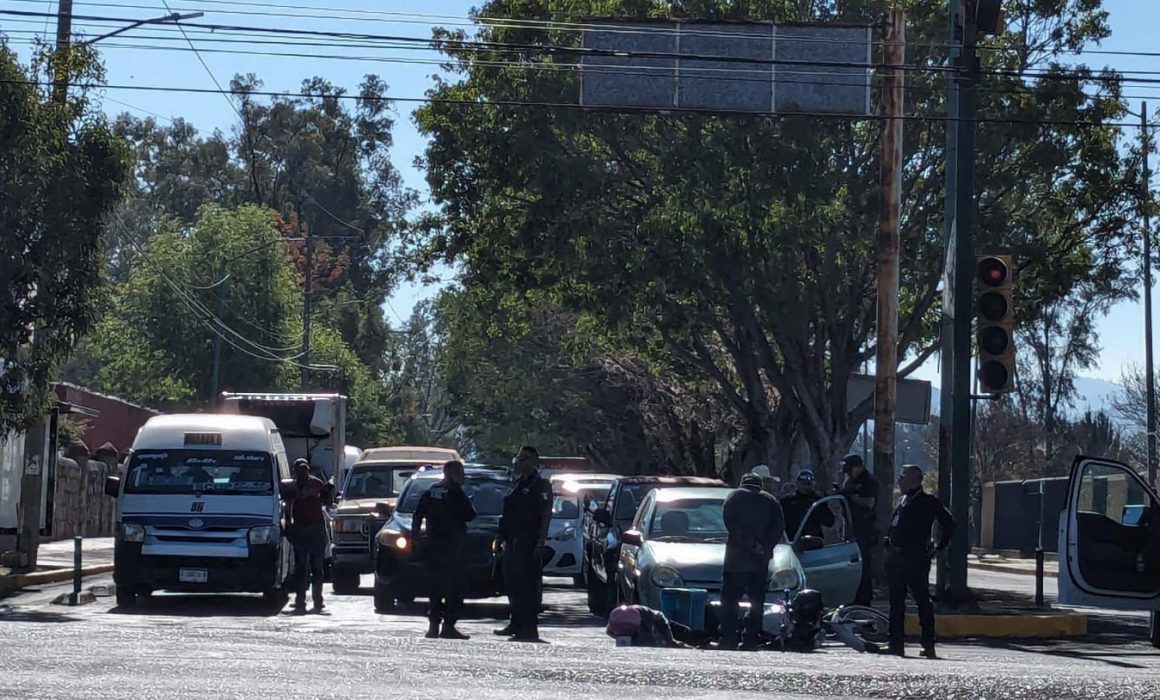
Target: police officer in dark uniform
(908, 555)
(447, 510)
(797, 506)
(861, 492)
(523, 527)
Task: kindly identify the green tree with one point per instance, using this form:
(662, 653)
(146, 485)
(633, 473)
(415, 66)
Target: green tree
(61, 174)
(737, 248)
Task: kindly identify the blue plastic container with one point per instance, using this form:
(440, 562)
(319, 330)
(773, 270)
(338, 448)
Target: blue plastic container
(685, 606)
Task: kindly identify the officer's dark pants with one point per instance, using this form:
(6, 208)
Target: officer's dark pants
(448, 577)
(734, 584)
(309, 552)
(909, 572)
(522, 577)
(865, 595)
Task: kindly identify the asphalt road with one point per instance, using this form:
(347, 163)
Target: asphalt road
(231, 646)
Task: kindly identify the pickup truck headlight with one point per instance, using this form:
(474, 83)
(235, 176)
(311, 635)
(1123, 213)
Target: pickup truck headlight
(667, 577)
(266, 534)
(132, 532)
(783, 579)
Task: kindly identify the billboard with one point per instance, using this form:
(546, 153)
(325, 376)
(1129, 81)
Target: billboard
(756, 67)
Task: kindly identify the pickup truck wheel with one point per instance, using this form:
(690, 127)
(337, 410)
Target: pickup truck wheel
(346, 581)
(126, 597)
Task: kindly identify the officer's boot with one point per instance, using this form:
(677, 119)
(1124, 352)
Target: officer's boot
(449, 632)
(432, 629)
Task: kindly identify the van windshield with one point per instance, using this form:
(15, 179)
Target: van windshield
(200, 471)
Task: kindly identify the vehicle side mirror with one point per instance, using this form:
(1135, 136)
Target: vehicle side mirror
(809, 543)
(632, 537)
(603, 517)
(382, 510)
(288, 488)
(112, 486)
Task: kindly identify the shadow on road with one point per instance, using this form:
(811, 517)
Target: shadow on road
(560, 610)
(11, 614)
(186, 605)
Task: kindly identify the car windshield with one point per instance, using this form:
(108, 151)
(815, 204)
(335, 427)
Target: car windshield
(486, 493)
(689, 520)
(200, 471)
(566, 506)
(377, 480)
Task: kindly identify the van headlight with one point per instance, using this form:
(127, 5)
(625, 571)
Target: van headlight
(667, 577)
(265, 534)
(132, 532)
(783, 579)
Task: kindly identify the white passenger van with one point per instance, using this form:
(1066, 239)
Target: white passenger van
(199, 508)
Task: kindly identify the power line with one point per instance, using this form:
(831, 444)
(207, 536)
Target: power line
(609, 110)
(201, 60)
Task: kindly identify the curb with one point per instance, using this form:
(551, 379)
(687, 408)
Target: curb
(1000, 568)
(1015, 626)
(16, 582)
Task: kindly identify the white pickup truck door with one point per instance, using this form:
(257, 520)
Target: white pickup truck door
(1109, 538)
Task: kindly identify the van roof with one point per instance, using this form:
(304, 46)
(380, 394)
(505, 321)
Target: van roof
(408, 453)
(238, 432)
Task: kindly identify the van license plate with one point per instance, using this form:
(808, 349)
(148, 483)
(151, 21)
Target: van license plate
(193, 575)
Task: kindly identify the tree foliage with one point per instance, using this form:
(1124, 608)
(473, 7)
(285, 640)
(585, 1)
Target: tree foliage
(737, 250)
(61, 173)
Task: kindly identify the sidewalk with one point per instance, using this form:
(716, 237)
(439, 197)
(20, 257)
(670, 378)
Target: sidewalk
(995, 562)
(55, 563)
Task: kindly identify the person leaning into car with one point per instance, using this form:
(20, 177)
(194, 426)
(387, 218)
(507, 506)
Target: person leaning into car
(523, 527)
(755, 524)
(447, 510)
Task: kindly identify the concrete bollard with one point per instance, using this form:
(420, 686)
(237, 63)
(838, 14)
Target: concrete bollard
(77, 565)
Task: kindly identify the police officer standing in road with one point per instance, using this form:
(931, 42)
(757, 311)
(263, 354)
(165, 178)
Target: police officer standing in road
(447, 510)
(861, 492)
(523, 527)
(908, 555)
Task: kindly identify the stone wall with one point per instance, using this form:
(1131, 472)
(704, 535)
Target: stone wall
(80, 506)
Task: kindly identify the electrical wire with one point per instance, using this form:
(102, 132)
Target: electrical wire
(613, 110)
(204, 65)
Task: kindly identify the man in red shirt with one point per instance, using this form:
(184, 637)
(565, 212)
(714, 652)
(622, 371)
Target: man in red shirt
(307, 532)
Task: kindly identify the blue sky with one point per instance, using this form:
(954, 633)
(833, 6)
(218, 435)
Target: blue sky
(408, 71)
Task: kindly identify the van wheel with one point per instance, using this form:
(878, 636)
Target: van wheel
(276, 598)
(126, 597)
(346, 581)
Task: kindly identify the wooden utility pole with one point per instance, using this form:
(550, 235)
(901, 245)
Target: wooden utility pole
(1149, 371)
(886, 368)
(63, 44)
(307, 288)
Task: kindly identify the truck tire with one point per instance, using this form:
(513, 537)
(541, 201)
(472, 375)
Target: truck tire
(346, 581)
(126, 597)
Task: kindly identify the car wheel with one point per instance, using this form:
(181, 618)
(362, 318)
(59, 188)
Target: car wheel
(126, 597)
(346, 581)
(385, 600)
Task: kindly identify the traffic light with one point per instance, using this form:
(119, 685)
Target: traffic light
(988, 17)
(995, 315)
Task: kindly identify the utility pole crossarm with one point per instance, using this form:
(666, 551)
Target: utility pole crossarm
(167, 19)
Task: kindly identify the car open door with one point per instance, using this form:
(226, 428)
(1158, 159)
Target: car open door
(1109, 538)
(835, 568)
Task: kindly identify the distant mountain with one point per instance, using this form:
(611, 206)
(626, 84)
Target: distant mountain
(1091, 394)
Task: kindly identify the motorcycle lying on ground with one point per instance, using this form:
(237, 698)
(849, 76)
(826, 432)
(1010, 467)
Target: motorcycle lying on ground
(799, 622)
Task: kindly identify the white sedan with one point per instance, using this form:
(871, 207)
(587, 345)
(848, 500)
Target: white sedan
(678, 540)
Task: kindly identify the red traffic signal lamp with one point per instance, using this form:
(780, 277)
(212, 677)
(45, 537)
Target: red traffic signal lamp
(995, 324)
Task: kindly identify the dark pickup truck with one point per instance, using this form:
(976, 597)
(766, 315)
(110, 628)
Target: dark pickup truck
(605, 526)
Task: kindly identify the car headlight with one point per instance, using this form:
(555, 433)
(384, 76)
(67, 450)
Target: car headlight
(264, 534)
(667, 577)
(565, 535)
(393, 539)
(783, 579)
(132, 532)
